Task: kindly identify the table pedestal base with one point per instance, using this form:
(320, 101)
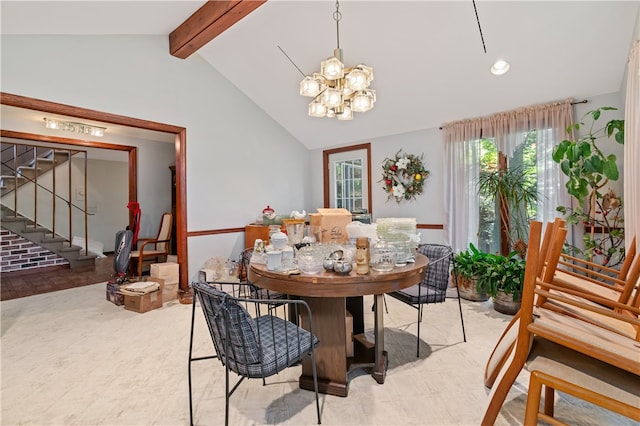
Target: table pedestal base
(325, 386)
(330, 314)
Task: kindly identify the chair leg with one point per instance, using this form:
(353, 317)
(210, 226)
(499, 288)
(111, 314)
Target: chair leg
(418, 338)
(549, 396)
(464, 335)
(315, 384)
(226, 393)
(193, 316)
(533, 400)
(499, 392)
(455, 278)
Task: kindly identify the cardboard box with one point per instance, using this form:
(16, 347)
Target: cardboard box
(113, 294)
(169, 292)
(333, 224)
(349, 326)
(145, 302)
(169, 272)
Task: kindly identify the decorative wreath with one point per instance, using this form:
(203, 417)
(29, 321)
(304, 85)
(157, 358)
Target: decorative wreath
(403, 176)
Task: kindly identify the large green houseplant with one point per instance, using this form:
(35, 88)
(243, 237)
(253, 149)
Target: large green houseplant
(589, 170)
(468, 268)
(502, 278)
(482, 275)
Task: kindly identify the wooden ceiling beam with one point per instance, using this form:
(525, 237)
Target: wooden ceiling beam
(208, 22)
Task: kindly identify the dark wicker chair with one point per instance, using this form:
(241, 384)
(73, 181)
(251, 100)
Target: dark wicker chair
(250, 347)
(433, 287)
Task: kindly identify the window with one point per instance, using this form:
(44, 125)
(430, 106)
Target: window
(348, 184)
(347, 178)
(524, 158)
(521, 139)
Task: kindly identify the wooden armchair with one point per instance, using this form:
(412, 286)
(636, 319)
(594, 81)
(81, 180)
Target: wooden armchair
(566, 352)
(152, 249)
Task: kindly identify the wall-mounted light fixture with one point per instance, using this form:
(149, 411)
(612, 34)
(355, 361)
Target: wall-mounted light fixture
(71, 126)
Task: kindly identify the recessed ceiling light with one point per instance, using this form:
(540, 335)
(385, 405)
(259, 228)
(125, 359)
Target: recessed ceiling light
(500, 67)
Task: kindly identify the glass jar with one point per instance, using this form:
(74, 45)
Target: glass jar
(310, 260)
(383, 256)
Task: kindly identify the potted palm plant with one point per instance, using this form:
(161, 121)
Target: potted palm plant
(514, 192)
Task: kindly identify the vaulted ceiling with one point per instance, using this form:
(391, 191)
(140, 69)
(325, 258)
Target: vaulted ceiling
(428, 57)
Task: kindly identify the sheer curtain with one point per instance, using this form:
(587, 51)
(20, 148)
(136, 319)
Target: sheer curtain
(508, 130)
(462, 152)
(632, 147)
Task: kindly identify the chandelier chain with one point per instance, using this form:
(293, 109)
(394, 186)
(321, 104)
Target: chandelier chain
(479, 27)
(337, 16)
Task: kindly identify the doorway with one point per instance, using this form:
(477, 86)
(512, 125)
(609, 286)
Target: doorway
(104, 117)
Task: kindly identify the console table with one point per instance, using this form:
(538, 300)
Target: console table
(329, 296)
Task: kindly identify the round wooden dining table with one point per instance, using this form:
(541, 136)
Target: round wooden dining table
(336, 301)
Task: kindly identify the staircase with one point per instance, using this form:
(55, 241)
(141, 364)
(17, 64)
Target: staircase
(43, 237)
(25, 165)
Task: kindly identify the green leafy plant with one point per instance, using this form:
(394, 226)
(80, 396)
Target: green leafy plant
(468, 262)
(515, 195)
(502, 273)
(582, 161)
(589, 170)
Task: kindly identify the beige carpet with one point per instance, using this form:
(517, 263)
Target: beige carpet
(72, 358)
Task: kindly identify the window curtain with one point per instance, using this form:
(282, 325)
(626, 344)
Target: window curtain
(632, 148)
(507, 129)
(462, 160)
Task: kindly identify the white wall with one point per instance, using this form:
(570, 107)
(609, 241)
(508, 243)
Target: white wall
(238, 159)
(426, 208)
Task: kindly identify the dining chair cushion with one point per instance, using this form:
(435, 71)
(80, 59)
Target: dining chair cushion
(609, 347)
(283, 344)
(584, 371)
(501, 351)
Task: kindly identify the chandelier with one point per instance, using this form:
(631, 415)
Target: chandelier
(339, 91)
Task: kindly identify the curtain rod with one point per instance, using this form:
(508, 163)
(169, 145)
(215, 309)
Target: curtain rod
(584, 101)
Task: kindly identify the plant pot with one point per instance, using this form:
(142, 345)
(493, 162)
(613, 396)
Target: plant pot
(504, 303)
(469, 291)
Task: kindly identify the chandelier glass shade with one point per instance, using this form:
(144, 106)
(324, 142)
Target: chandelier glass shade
(339, 91)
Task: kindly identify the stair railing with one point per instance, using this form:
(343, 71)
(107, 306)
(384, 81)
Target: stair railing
(17, 155)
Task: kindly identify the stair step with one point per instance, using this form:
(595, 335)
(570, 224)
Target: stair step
(70, 249)
(53, 240)
(89, 256)
(14, 219)
(36, 229)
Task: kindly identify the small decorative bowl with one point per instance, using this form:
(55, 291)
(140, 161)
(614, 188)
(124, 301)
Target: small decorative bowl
(328, 264)
(342, 267)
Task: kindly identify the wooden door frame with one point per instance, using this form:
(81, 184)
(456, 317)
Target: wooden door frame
(325, 170)
(88, 114)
